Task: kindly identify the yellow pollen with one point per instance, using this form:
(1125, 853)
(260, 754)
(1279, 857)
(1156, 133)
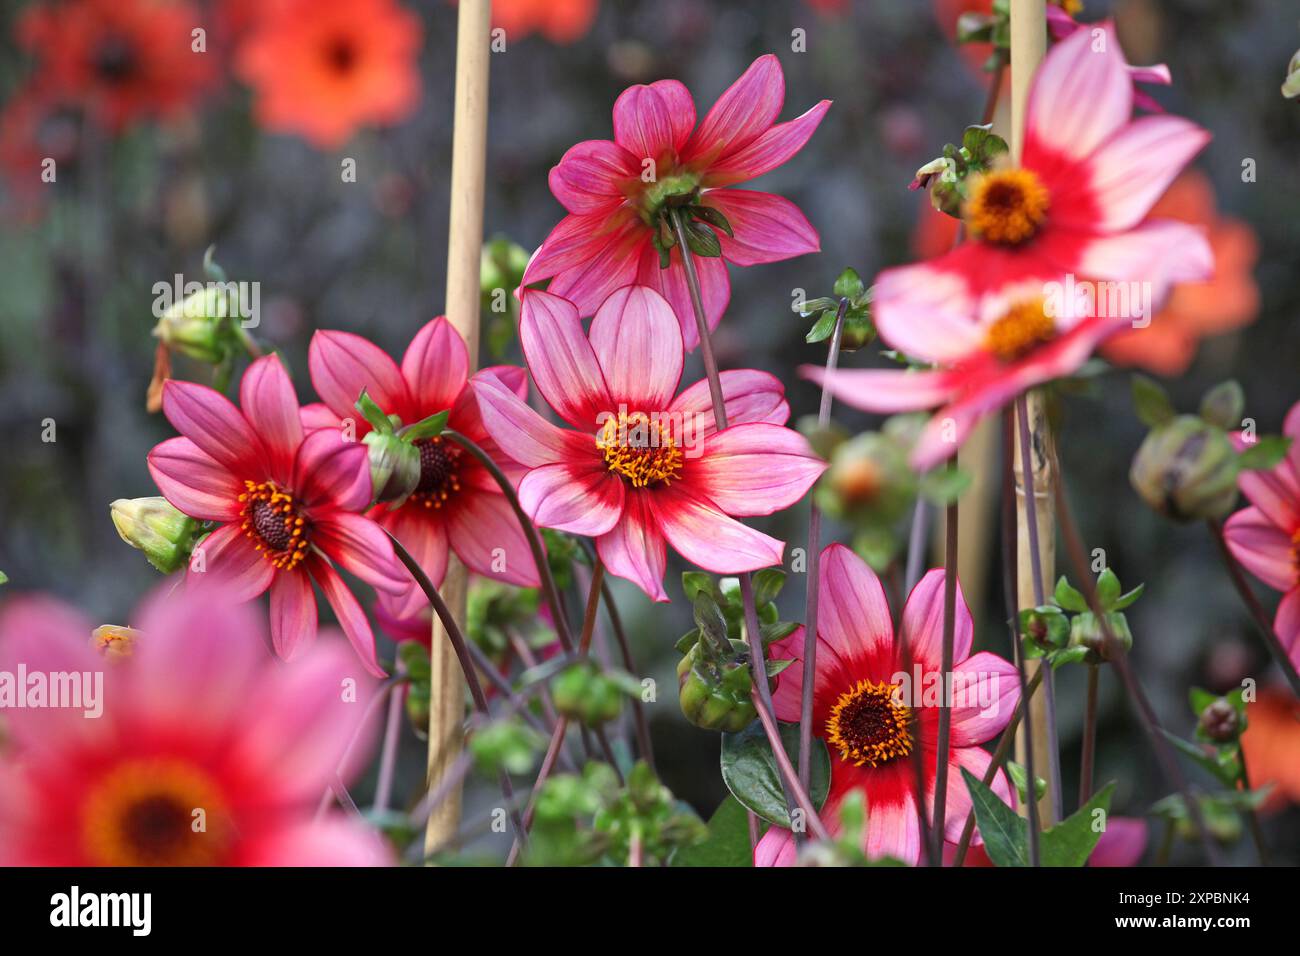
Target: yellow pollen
(869, 726)
(1024, 327)
(640, 449)
(271, 520)
(1007, 206)
(155, 813)
(1072, 7)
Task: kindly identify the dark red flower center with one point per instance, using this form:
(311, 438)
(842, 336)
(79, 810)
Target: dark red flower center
(869, 726)
(115, 59)
(440, 468)
(274, 522)
(341, 54)
(155, 813)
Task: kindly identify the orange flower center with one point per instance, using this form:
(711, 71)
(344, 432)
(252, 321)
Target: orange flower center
(1006, 207)
(271, 519)
(869, 726)
(1024, 327)
(440, 464)
(640, 448)
(155, 813)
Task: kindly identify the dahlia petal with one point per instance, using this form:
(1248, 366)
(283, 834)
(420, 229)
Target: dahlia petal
(211, 421)
(884, 390)
(923, 622)
(424, 536)
(787, 698)
(893, 829)
(228, 559)
(768, 228)
(1081, 95)
(772, 148)
(1264, 549)
(638, 345)
(349, 613)
(591, 260)
(1286, 625)
(754, 469)
(360, 546)
(341, 842)
(435, 367)
(924, 310)
(574, 240)
(747, 396)
(1132, 169)
(317, 415)
(269, 404)
(987, 692)
(561, 359)
(1275, 493)
(577, 498)
(331, 471)
(634, 548)
(958, 805)
(520, 432)
(342, 365)
(652, 120)
(741, 114)
(1159, 251)
(1122, 843)
(293, 614)
(776, 848)
(853, 616)
(485, 533)
(194, 482)
(706, 537)
(589, 177)
(715, 289)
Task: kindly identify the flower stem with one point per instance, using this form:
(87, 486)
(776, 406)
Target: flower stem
(814, 570)
(945, 676)
(1257, 613)
(787, 770)
(388, 750)
(551, 593)
(1089, 735)
(460, 646)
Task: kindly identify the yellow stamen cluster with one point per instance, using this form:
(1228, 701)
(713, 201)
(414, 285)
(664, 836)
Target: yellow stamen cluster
(155, 813)
(271, 520)
(869, 726)
(1024, 327)
(1007, 206)
(640, 449)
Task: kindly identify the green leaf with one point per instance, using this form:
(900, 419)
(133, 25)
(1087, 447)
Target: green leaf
(687, 641)
(1222, 764)
(982, 144)
(848, 285)
(1151, 401)
(1108, 588)
(430, 427)
(4, 578)
(714, 217)
(1069, 655)
(1005, 833)
(822, 328)
(727, 843)
(1069, 598)
(1200, 698)
(709, 619)
(372, 413)
(1020, 777)
(943, 486)
(1264, 453)
(1124, 600)
(750, 773)
(694, 582)
(775, 667)
(767, 585)
(703, 241)
(1072, 841)
(776, 631)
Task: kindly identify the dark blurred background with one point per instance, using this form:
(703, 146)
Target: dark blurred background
(78, 260)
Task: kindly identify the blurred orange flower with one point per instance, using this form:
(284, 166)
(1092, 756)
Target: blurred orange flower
(323, 68)
(1272, 745)
(560, 21)
(1194, 311)
(125, 60)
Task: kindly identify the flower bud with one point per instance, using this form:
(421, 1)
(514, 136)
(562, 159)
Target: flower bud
(198, 325)
(1220, 722)
(714, 694)
(1087, 631)
(582, 693)
(1186, 469)
(114, 642)
(164, 534)
(394, 466)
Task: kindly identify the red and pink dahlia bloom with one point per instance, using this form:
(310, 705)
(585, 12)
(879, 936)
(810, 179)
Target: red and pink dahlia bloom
(1050, 247)
(457, 505)
(286, 503)
(1061, 24)
(640, 467)
(1265, 537)
(197, 720)
(869, 710)
(617, 194)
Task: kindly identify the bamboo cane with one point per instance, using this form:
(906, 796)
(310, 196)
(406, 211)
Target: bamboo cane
(1028, 45)
(464, 247)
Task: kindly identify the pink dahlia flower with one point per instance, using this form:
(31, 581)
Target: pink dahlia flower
(206, 752)
(1062, 24)
(618, 192)
(868, 709)
(1059, 254)
(286, 503)
(457, 505)
(1265, 537)
(639, 467)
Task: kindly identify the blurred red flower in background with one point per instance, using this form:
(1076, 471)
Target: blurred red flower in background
(323, 68)
(560, 21)
(123, 60)
(1272, 745)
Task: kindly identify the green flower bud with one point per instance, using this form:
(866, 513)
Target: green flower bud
(1187, 469)
(1220, 722)
(394, 466)
(1045, 629)
(164, 534)
(508, 745)
(1086, 631)
(582, 693)
(198, 325)
(714, 694)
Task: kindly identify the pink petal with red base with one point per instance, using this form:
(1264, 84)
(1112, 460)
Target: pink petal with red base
(523, 434)
(343, 364)
(332, 472)
(774, 147)
(999, 678)
(741, 114)
(715, 289)
(349, 613)
(579, 497)
(212, 422)
(485, 533)
(754, 469)
(194, 482)
(638, 345)
(634, 549)
(435, 367)
(747, 396)
(227, 558)
(1264, 549)
(424, 535)
(767, 228)
(269, 404)
(591, 175)
(923, 622)
(361, 547)
(652, 120)
(561, 359)
(293, 614)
